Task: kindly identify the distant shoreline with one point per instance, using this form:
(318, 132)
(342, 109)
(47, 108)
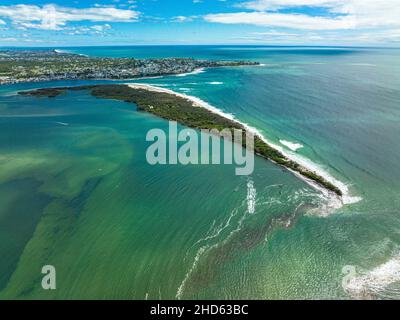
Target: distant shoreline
(25, 66)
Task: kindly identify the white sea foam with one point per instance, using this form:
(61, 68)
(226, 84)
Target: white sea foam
(251, 197)
(334, 202)
(374, 284)
(197, 71)
(216, 231)
(291, 145)
(62, 123)
(215, 83)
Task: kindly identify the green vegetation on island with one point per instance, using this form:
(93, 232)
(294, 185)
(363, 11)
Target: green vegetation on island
(182, 110)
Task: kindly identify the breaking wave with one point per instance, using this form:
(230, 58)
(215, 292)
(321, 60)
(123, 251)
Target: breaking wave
(383, 282)
(197, 71)
(251, 197)
(291, 145)
(333, 201)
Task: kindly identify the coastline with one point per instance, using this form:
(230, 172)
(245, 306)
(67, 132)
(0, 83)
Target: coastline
(334, 192)
(335, 200)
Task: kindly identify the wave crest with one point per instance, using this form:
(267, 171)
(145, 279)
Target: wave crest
(375, 284)
(334, 202)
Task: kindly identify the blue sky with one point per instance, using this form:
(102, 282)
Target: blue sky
(144, 22)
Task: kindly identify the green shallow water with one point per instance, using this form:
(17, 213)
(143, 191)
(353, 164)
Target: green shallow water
(77, 192)
(112, 225)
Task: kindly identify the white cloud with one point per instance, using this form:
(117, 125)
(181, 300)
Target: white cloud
(262, 5)
(183, 18)
(274, 33)
(52, 17)
(370, 13)
(344, 14)
(13, 39)
(294, 21)
(392, 35)
(98, 29)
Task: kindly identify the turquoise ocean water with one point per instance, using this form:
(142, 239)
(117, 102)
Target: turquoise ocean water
(77, 192)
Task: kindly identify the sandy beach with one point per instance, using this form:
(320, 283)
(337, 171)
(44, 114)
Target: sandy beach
(334, 201)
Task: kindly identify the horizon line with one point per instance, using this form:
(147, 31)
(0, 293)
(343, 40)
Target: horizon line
(210, 45)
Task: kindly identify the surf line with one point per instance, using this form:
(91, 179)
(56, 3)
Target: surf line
(336, 200)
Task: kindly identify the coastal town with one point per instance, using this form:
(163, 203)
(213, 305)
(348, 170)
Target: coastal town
(48, 65)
